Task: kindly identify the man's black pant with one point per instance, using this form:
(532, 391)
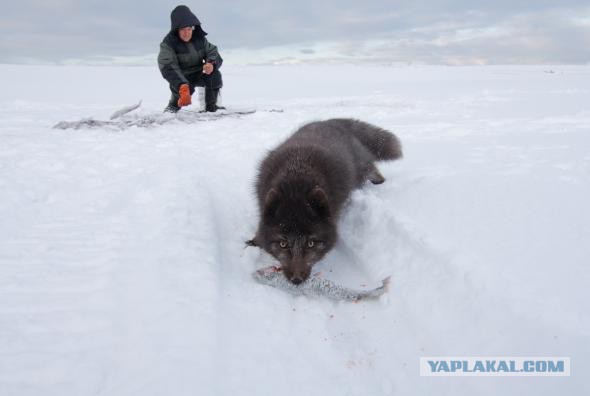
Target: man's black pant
(211, 82)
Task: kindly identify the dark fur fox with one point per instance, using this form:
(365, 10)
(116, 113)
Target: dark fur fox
(303, 184)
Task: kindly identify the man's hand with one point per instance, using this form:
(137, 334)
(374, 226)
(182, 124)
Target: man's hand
(208, 68)
(185, 95)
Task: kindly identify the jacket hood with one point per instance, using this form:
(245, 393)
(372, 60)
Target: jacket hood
(181, 17)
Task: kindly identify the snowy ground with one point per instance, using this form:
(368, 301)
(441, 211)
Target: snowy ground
(123, 269)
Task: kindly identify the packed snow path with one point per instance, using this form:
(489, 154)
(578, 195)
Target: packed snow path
(122, 262)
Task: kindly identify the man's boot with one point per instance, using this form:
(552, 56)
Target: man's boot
(172, 105)
(171, 108)
(211, 100)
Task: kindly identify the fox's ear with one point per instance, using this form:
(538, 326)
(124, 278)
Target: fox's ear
(271, 202)
(319, 201)
(252, 242)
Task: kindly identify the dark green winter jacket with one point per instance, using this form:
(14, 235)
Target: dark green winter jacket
(177, 58)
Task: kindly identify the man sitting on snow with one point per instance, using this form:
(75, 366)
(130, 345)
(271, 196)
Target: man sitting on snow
(187, 60)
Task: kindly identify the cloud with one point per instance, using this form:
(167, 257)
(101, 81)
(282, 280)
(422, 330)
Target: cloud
(447, 31)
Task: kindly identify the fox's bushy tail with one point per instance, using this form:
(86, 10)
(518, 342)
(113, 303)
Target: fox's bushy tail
(382, 143)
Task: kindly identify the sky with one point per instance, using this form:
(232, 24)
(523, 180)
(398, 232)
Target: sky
(271, 31)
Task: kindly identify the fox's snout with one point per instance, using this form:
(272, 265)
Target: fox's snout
(297, 271)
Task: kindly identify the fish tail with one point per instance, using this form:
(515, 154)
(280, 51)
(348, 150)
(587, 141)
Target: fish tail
(376, 292)
(386, 282)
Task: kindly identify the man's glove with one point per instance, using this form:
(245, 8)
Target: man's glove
(185, 95)
(208, 68)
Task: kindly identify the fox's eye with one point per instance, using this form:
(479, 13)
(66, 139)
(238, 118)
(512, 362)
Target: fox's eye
(310, 244)
(283, 244)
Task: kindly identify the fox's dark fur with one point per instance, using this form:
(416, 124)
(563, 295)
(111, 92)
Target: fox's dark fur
(304, 182)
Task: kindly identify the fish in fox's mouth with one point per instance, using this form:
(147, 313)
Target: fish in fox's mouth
(316, 286)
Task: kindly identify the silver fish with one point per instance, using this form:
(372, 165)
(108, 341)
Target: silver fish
(316, 286)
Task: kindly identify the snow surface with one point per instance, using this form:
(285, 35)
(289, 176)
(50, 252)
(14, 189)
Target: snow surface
(122, 262)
